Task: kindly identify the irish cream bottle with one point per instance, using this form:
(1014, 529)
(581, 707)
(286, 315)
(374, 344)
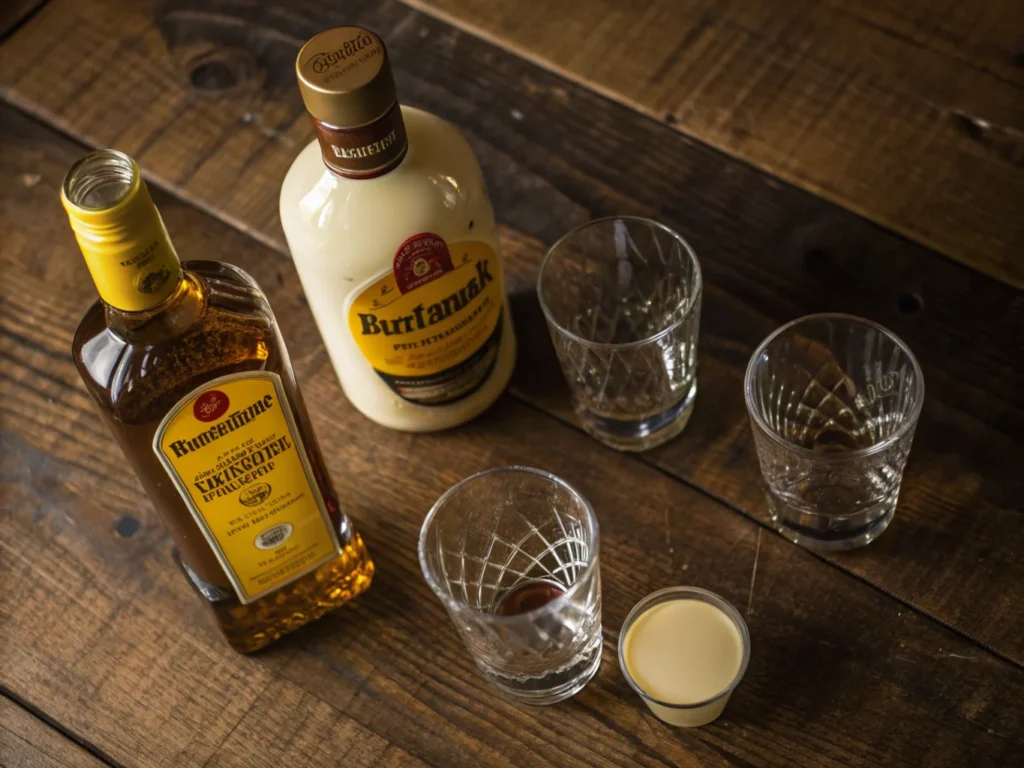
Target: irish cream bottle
(394, 239)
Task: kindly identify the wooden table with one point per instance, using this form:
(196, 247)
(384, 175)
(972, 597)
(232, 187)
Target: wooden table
(864, 157)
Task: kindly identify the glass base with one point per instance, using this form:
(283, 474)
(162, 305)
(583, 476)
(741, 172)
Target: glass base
(555, 686)
(642, 434)
(831, 533)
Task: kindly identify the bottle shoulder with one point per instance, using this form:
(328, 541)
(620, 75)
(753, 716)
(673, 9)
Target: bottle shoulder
(439, 182)
(136, 368)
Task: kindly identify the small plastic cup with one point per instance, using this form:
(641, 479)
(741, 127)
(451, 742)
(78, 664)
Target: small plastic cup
(686, 714)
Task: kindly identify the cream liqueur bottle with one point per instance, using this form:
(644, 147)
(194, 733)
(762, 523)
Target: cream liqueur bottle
(394, 239)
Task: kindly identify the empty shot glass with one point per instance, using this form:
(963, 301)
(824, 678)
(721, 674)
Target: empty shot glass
(512, 555)
(833, 402)
(622, 301)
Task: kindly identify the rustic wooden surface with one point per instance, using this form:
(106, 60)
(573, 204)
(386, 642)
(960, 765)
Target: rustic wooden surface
(910, 113)
(915, 661)
(555, 155)
(28, 742)
(840, 674)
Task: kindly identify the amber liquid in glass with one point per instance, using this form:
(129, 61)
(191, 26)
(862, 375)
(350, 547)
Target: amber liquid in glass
(138, 365)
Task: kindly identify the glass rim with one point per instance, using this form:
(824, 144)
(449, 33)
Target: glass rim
(698, 282)
(453, 605)
(668, 594)
(908, 425)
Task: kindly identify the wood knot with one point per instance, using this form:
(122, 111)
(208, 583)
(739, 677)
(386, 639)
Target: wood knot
(818, 248)
(127, 526)
(221, 71)
(819, 262)
(910, 304)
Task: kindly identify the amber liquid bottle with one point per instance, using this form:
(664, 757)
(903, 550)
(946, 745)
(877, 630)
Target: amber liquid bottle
(193, 379)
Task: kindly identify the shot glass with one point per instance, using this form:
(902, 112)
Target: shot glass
(833, 402)
(685, 664)
(512, 555)
(622, 301)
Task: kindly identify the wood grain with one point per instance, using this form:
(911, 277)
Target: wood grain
(103, 635)
(555, 155)
(28, 742)
(909, 113)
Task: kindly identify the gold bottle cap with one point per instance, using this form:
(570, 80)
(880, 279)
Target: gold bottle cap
(345, 77)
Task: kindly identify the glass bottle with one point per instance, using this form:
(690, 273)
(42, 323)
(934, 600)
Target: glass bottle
(394, 238)
(191, 375)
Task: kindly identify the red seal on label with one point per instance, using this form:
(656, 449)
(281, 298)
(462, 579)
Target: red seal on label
(420, 259)
(210, 405)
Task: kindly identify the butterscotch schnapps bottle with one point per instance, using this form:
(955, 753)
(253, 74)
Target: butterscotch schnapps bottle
(190, 373)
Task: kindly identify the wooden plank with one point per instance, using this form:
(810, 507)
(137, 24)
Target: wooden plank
(287, 726)
(840, 673)
(909, 113)
(556, 154)
(28, 742)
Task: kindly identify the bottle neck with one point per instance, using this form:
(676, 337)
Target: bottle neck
(172, 317)
(366, 151)
(122, 237)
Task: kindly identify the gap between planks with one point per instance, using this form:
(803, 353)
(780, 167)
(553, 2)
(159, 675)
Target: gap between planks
(60, 728)
(25, 19)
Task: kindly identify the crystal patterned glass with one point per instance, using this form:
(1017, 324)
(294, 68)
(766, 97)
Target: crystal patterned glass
(833, 402)
(622, 301)
(512, 555)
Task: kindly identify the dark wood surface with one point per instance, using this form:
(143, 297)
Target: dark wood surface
(769, 252)
(840, 672)
(908, 652)
(854, 101)
(13, 12)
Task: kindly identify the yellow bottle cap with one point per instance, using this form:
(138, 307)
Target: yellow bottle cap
(120, 232)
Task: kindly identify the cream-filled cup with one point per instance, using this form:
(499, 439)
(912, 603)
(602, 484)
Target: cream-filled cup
(684, 650)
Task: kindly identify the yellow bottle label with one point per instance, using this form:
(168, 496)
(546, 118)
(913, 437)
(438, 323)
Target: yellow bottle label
(431, 326)
(233, 451)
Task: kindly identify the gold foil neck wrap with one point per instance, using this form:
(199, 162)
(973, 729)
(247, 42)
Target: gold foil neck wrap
(122, 237)
(345, 77)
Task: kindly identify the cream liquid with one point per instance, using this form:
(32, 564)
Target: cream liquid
(344, 233)
(684, 652)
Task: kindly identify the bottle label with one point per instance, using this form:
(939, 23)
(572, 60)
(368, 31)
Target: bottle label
(233, 451)
(431, 326)
(367, 151)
